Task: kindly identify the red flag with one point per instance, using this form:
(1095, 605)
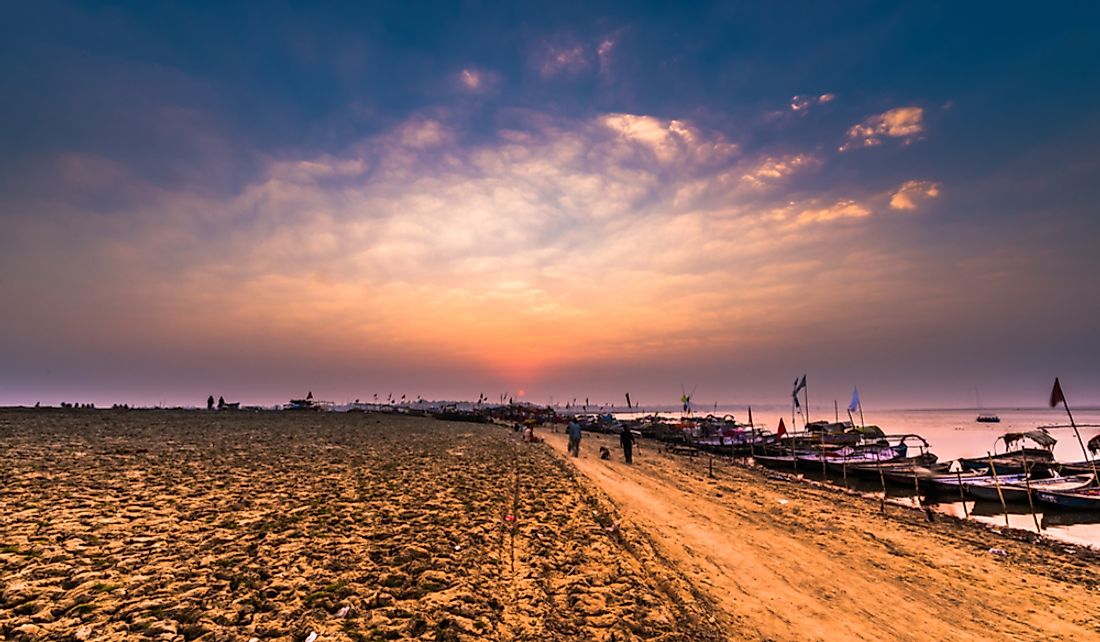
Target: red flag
(1056, 395)
(782, 429)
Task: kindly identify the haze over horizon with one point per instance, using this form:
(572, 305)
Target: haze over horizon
(446, 199)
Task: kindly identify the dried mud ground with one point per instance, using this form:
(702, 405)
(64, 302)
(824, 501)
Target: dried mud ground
(203, 525)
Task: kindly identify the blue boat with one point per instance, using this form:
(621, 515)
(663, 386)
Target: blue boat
(1087, 499)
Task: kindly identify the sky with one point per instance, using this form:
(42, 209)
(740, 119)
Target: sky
(549, 200)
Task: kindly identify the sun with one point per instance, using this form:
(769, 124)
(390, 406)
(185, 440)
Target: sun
(521, 393)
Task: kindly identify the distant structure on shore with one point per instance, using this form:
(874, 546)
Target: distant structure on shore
(309, 403)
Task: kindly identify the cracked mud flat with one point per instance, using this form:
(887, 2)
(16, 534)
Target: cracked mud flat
(177, 525)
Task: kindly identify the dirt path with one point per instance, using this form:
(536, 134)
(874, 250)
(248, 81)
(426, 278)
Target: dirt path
(789, 561)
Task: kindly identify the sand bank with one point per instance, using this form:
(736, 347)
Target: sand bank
(784, 560)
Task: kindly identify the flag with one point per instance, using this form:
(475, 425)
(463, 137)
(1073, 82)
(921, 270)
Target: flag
(798, 385)
(782, 430)
(1056, 395)
(852, 407)
(796, 404)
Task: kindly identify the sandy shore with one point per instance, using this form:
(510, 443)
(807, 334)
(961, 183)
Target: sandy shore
(234, 526)
(784, 560)
(239, 526)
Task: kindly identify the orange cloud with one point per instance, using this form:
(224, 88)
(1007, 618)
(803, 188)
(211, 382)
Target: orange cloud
(911, 192)
(903, 122)
(776, 168)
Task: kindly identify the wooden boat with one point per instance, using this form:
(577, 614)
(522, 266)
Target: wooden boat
(902, 473)
(1017, 492)
(1077, 467)
(777, 461)
(1039, 460)
(867, 460)
(1085, 499)
(1084, 467)
(847, 456)
(988, 419)
(949, 484)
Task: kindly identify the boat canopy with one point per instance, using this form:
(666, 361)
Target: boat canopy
(1040, 437)
(869, 430)
(1094, 444)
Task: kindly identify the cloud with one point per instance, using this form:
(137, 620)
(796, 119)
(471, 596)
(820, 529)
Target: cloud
(844, 209)
(801, 104)
(476, 81)
(562, 59)
(772, 169)
(420, 133)
(912, 192)
(605, 48)
(669, 140)
(905, 123)
(623, 233)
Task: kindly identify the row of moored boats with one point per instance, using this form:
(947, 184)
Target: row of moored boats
(1025, 466)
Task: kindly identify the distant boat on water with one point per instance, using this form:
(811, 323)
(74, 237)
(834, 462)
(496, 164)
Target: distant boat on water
(984, 417)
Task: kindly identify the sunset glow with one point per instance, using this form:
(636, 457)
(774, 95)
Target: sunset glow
(584, 206)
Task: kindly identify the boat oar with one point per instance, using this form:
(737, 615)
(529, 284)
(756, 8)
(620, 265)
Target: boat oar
(997, 483)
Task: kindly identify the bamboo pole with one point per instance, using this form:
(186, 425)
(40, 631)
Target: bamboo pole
(752, 436)
(794, 457)
(997, 483)
(1030, 502)
(824, 473)
(916, 485)
(882, 480)
(962, 497)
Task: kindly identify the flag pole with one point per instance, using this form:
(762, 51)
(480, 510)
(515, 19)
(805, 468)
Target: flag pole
(752, 436)
(806, 392)
(1057, 395)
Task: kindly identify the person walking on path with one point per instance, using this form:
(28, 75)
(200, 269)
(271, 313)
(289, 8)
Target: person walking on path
(574, 437)
(626, 438)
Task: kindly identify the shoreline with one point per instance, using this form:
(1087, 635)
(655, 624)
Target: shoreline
(793, 540)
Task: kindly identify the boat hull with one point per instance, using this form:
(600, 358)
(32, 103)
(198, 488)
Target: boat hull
(1088, 499)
